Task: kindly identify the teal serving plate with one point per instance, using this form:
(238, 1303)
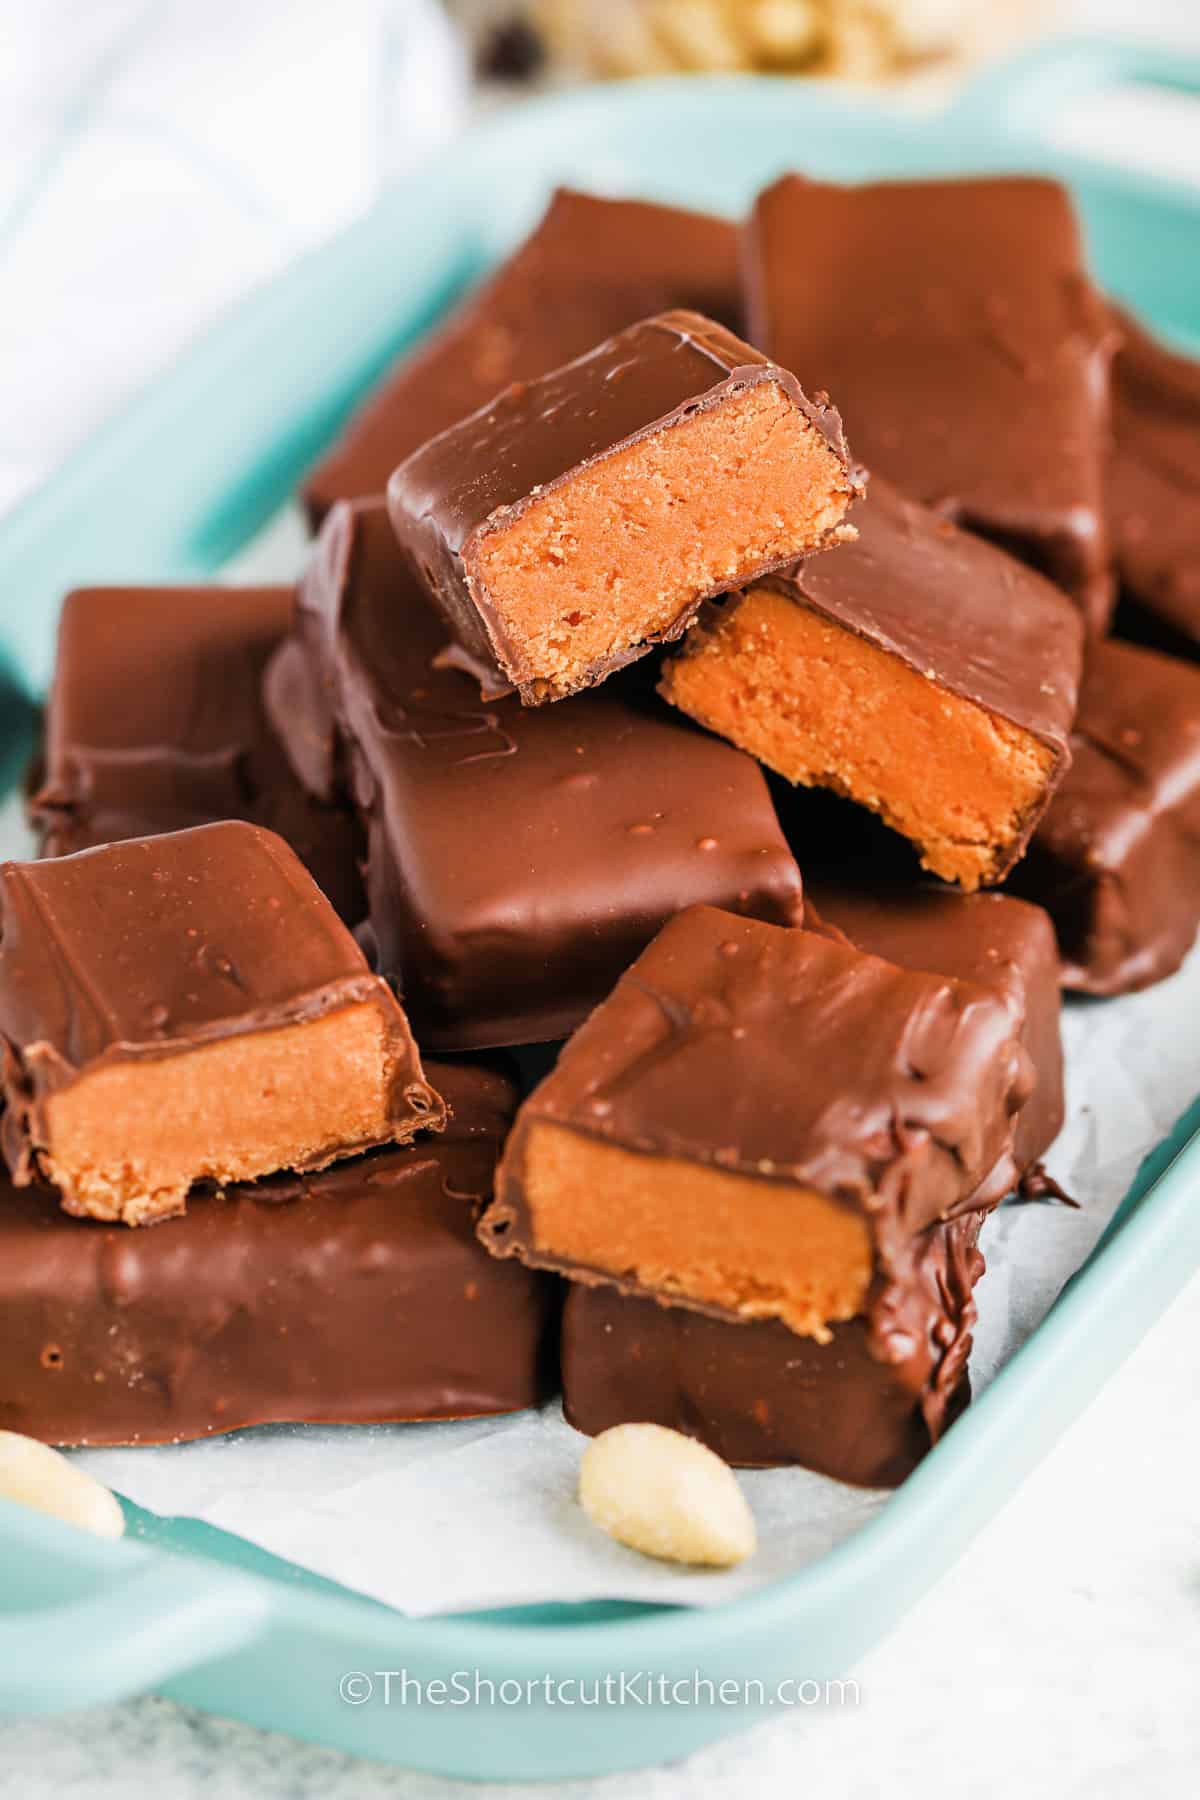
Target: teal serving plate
(172, 489)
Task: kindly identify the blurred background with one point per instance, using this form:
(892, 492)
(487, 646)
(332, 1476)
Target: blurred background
(159, 157)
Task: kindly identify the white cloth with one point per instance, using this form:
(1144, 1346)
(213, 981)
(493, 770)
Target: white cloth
(159, 157)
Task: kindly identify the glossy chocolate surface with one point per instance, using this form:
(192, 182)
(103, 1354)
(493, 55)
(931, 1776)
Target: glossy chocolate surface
(353, 1295)
(591, 267)
(482, 473)
(519, 858)
(790, 1057)
(155, 723)
(155, 946)
(955, 322)
(991, 939)
(1116, 860)
(865, 1407)
(1154, 480)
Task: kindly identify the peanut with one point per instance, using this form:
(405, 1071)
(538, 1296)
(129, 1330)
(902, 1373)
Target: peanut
(666, 1495)
(33, 1474)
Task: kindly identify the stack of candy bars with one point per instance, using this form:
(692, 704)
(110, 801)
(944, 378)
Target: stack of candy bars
(621, 704)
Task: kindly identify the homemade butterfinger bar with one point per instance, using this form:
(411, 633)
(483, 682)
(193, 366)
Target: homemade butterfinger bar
(1154, 489)
(919, 671)
(956, 324)
(994, 940)
(864, 1406)
(590, 268)
(757, 1123)
(518, 858)
(577, 520)
(1116, 860)
(357, 1294)
(190, 1008)
(155, 723)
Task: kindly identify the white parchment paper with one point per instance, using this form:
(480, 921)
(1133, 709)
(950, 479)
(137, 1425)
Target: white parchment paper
(414, 1515)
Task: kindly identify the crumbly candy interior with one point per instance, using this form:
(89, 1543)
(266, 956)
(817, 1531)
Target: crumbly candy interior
(619, 552)
(758, 1247)
(825, 708)
(127, 1141)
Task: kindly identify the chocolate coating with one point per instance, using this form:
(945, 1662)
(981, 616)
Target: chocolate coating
(154, 946)
(485, 471)
(790, 1057)
(991, 939)
(155, 723)
(955, 322)
(353, 1295)
(958, 610)
(591, 267)
(1116, 860)
(519, 858)
(864, 1407)
(1154, 481)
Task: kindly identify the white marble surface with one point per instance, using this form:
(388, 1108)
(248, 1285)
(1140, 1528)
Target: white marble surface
(1060, 1657)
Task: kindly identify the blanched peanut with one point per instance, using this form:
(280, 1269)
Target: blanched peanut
(666, 1495)
(33, 1474)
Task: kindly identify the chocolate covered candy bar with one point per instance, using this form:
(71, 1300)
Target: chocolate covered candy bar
(188, 1008)
(758, 1121)
(358, 1294)
(919, 671)
(955, 322)
(155, 723)
(1154, 488)
(577, 520)
(1116, 860)
(864, 1406)
(993, 940)
(590, 268)
(518, 858)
